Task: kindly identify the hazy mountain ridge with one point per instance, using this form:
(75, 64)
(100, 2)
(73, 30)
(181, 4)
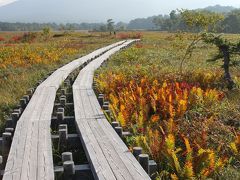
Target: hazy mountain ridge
(43, 16)
(40, 11)
(219, 9)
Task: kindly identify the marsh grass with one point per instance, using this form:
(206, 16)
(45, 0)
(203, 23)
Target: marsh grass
(16, 78)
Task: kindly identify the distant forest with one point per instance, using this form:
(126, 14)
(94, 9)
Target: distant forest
(172, 22)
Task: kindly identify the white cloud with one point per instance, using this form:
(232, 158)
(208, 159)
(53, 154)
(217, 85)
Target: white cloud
(5, 2)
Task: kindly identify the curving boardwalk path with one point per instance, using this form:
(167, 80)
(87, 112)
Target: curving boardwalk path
(30, 156)
(109, 157)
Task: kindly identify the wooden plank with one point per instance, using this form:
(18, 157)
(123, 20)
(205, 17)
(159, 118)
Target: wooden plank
(99, 164)
(97, 133)
(117, 165)
(45, 158)
(30, 156)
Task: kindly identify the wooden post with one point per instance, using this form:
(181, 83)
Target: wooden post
(15, 117)
(63, 91)
(23, 103)
(144, 161)
(101, 99)
(39, 82)
(9, 123)
(63, 96)
(137, 151)
(153, 169)
(67, 156)
(63, 101)
(108, 112)
(1, 159)
(10, 130)
(20, 108)
(60, 116)
(27, 98)
(30, 92)
(17, 111)
(115, 124)
(63, 126)
(72, 79)
(119, 131)
(67, 83)
(69, 170)
(6, 144)
(63, 136)
(60, 110)
(106, 105)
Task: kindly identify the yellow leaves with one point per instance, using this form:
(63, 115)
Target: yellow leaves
(141, 141)
(29, 54)
(188, 172)
(114, 100)
(122, 107)
(170, 125)
(164, 84)
(121, 119)
(151, 108)
(188, 150)
(174, 177)
(235, 146)
(170, 142)
(140, 97)
(221, 163)
(139, 90)
(176, 164)
(140, 119)
(182, 107)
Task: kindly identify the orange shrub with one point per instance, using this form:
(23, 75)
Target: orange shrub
(149, 102)
(149, 108)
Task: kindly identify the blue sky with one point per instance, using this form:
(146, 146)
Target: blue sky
(99, 10)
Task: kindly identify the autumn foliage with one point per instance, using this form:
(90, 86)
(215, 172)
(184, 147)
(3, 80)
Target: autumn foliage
(150, 109)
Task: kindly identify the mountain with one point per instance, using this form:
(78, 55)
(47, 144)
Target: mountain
(76, 11)
(58, 11)
(219, 9)
(34, 11)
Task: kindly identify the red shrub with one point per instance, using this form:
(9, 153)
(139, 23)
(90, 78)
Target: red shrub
(2, 39)
(28, 37)
(137, 35)
(16, 38)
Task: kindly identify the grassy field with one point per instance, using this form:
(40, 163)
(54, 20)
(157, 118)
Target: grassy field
(25, 58)
(187, 121)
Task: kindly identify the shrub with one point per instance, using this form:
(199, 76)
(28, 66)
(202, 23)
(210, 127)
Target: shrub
(27, 37)
(2, 39)
(137, 35)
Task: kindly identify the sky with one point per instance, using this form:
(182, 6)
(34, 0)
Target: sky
(5, 2)
(99, 10)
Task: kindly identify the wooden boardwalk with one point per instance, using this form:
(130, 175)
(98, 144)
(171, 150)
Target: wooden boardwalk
(30, 156)
(107, 154)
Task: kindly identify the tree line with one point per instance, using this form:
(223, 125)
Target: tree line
(230, 23)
